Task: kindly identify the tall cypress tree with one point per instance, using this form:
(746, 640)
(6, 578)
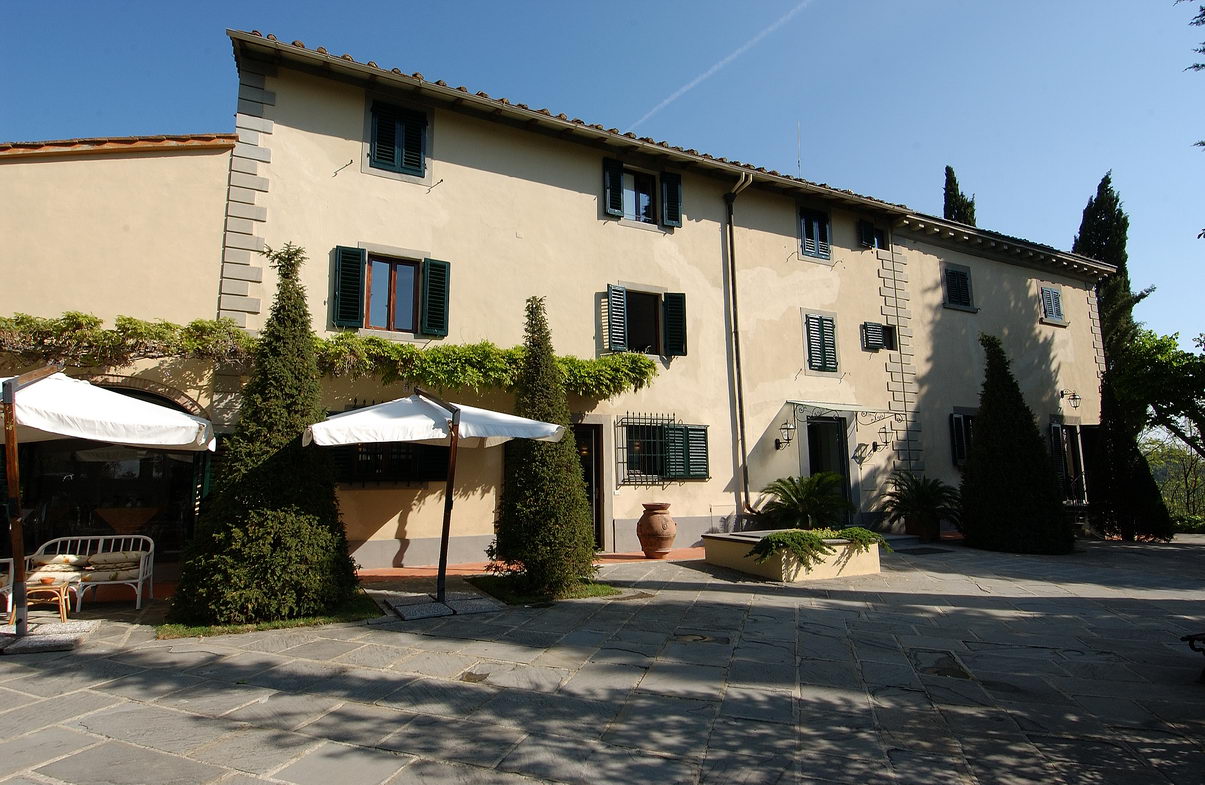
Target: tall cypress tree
(1129, 503)
(1010, 493)
(544, 530)
(270, 543)
(957, 206)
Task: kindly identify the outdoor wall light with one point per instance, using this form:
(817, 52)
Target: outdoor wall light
(1072, 396)
(787, 429)
(884, 437)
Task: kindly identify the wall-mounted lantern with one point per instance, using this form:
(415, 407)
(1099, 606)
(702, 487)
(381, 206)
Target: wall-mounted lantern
(787, 429)
(1072, 397)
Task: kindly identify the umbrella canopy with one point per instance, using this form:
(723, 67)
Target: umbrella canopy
(419, 419)
(59, 406)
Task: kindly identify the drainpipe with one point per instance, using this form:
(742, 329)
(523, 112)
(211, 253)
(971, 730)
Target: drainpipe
(742, 496)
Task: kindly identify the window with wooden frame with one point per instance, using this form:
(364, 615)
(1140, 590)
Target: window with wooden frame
(1052, 305)
(399, 139)
(653, 448)
(646, 322)
(821, 335)
(876, 336)
(961, 432)
(814, 234)
(378, 292)
(871, 236)
(956, 286)
(634, 194)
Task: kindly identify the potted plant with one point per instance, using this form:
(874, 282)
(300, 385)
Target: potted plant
(805, 502)
(921, 503)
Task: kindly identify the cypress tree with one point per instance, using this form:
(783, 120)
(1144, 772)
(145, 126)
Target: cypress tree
(544, 533)
(270, 543)
(1010, 495)
(1128, 503)
(957, 206)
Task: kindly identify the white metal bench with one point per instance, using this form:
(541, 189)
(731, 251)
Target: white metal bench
(87, 546)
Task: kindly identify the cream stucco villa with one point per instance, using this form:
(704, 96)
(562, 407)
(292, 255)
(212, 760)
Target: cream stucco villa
(797, 327)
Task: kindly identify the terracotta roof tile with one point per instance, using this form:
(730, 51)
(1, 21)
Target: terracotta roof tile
(109, 144)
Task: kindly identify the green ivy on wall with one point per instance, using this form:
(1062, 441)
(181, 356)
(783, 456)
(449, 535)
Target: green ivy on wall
(81, 340)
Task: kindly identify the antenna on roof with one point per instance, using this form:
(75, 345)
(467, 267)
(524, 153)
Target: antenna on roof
(798, 158)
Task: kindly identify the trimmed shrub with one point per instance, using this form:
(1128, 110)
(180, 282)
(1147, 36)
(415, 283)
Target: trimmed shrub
(270, 543)
(545, 534)
(1010, 494)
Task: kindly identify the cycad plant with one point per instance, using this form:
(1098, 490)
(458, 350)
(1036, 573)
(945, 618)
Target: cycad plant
(806, 502)
(921, 502)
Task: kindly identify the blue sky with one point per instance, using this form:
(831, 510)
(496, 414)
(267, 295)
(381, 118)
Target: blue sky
(1031, 101)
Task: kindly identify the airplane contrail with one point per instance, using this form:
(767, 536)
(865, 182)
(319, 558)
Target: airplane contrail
(752, 42)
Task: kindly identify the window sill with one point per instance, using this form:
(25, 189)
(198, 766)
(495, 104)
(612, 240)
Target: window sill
(648, 227)
(827, 261)
(395, 337)
(1055, 322)
(957, 307)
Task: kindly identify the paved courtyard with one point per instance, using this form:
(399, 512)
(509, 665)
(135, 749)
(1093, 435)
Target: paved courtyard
(952, 667)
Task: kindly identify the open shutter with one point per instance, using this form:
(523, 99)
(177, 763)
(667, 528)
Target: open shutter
(1052, 304)
(613, 187)
(822, 231)
(829, 328)
(435, 289)
(1058, 455)
(697, 465)
(958, 287)
(413, 142)
(866, 234)
(671, 199)
(873, 337)
(347, 308)
(676, 464)
(617, 318)
(958, 443)
(673, 308)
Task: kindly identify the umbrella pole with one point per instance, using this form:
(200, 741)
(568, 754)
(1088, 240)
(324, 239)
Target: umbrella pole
(16, 531)
(442, 579)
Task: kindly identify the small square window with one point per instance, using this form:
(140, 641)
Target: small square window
(957, 285)
(876, 336)
(646, 322)
(399, 139)
(651, 449)
(1052, 305)
(871, 236)
(814, 233)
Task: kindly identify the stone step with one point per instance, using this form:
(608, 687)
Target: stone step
(902, 540)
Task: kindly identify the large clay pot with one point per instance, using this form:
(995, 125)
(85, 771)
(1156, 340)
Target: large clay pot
(656, 530)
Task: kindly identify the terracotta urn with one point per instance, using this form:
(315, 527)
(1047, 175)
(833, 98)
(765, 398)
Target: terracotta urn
(656, 530)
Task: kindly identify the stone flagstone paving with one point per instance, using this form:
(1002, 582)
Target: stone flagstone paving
(965, 667)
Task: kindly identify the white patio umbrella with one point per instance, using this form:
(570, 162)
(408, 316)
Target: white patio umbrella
(53, 406)
(426, 419)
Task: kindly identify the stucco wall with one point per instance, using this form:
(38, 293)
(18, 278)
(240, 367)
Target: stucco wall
(135, 234)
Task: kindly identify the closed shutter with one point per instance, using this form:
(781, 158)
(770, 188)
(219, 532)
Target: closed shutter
(671, 199)
(431, 462)
(958, 287)
(617, 318)
(413, 134)
(344, 462)
(384, 152)
(697, 465)
(347, 306)
(673, 308)
(873, 336)
(435, 290)
(613, 187)
(676, 447)
(815, 233)
(866, 234)
(1052, 304)
(830, 343)
(815, 339)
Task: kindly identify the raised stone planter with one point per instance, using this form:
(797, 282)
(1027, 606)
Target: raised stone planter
(730, 550)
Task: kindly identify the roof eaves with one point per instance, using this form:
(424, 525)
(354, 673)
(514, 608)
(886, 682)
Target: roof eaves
(1015, 250)
(117, 144)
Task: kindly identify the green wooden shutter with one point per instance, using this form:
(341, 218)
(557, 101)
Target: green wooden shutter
(613, 187)
(347, 306)
(676, 447)
(384, 152)
(866, 234)
(815, 339)
(673, 308)
(1059, 456)
(671, 199)
(829, 327)
(872, 336)
(958, 287)
(436, 287)
(958, 446)
(413, 142)
(815, 231)
(698, 466)
(823, 248)
(617, 318)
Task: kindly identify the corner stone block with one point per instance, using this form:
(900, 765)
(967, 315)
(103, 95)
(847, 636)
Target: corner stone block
(240, 272)
(230, 302)
(244, 241)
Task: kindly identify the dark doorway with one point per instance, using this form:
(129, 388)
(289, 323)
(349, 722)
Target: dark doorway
(827, 449)
(589, 452)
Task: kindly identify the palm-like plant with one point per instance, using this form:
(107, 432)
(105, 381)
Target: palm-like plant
(922, 502)
(806, 502)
